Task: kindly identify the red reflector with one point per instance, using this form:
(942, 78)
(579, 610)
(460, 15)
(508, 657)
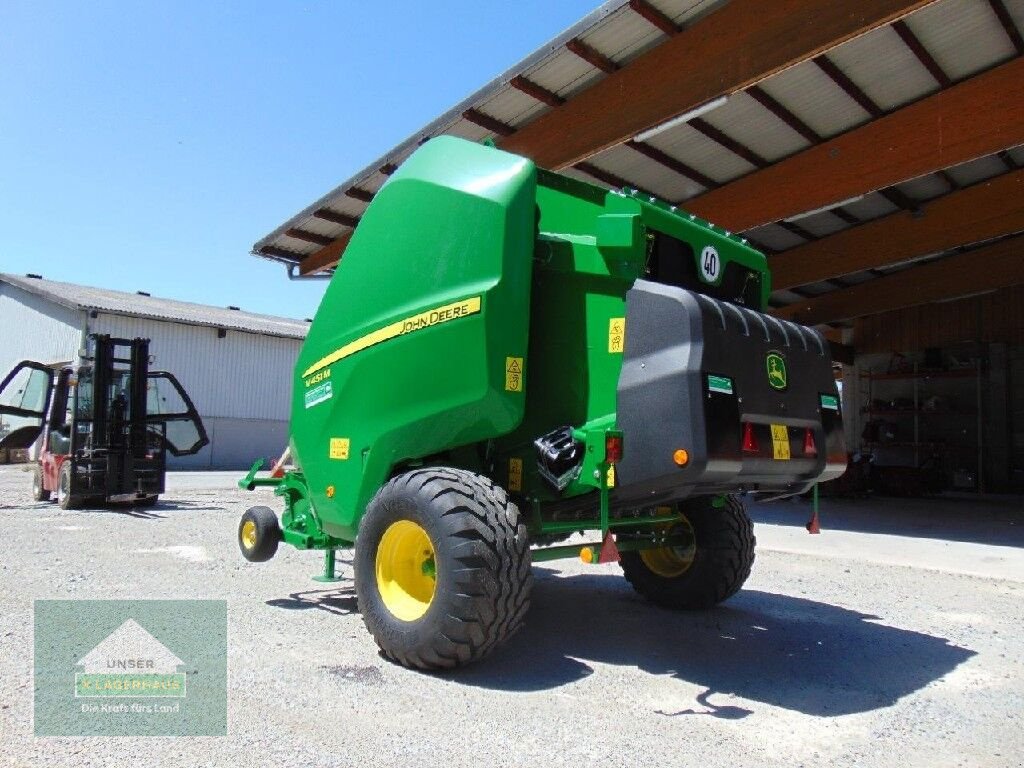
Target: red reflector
(810, 449)
(749, 441)
(613, 449)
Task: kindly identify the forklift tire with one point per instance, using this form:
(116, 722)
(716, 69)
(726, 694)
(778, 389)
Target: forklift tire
(258, 534)
(146, 501)
(39, 493)
(704, 573)
(442, 568)
(65, 500)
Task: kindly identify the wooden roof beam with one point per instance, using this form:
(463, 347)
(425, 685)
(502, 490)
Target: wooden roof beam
(672, 163)
(977, 117)
(654, 16)
(999, 9)
(663, 83)
(326, 258)
(923, 54)
(309, 237)
(983, 269)
(592, 56)
(334, 217)
(766, 100)
(985, 211)
(854, 91)
(535, 91)
(493, 125)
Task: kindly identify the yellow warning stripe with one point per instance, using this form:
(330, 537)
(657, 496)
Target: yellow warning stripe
(416, 322)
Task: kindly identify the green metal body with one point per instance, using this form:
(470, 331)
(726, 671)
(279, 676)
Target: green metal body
(479, 304)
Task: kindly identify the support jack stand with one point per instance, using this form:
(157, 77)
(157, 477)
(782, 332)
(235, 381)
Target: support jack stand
(328, 575)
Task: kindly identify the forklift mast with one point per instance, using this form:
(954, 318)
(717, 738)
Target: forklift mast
(106, 423)
(112, 450)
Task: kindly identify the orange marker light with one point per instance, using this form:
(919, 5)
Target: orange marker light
(681, 457)
(587, 555)
(330, 491)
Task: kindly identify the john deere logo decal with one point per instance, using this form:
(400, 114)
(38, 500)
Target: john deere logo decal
(776, 370)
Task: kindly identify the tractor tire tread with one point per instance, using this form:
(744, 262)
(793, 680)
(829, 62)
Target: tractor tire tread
(488, 559)
(726, 544)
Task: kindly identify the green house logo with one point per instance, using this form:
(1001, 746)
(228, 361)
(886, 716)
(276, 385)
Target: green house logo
(776, 367)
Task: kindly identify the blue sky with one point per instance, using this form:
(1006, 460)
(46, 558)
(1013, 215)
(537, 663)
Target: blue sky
(147, 146)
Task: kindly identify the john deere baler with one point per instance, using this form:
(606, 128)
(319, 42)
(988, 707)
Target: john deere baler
(506, 356)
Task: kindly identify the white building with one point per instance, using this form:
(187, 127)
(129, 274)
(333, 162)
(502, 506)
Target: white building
(236, 366)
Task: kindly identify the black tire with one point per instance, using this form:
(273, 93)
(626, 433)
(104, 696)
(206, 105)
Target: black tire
(480, 552)
(146, 501)
(65, 499)
(722, 556)
(39, 493)
(258, 542)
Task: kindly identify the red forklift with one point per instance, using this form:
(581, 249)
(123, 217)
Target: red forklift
(106, 424)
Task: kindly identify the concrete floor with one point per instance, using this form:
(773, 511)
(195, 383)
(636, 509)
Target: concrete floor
(893, 636)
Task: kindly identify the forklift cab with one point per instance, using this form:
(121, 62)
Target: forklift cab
(106, 425)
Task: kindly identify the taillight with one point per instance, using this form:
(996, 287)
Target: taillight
(613, 449)
(810, 449)
(749, 440)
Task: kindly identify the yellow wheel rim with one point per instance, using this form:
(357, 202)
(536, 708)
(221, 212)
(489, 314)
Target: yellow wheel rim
(671, 562)
(248, 534)
(405, 568)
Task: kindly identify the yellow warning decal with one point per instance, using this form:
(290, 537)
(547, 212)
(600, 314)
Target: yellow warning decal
(339, 448)
(611, 477)
(780, 442)
(513, 374)
(416, 322)
(616, 334)
(515, 474)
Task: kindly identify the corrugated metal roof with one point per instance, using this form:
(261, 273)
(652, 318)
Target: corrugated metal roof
(85, 298)
(551, 66)
(882, 70)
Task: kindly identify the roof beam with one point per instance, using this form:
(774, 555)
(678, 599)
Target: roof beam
(987, 210)
(654, 16)
(609, 178)
(923, 54)
(765, 99)
(999, 9)
(701, 125)
(854, 91)
(593, 57)
(977, 117)
(535, 91)
(359, 194)
(326, 257)
(672, 163)
(486, 121)
(309, 237)
(983, 269)
(663, 82)
(336, 218)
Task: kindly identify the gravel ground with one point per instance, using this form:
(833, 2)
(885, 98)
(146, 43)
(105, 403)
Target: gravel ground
(871, 647)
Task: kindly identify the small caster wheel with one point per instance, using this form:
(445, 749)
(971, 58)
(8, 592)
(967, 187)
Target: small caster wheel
(258, 534)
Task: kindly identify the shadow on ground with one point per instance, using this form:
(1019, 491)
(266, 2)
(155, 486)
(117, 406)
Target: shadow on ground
(981, 520)
(798, 654)
(152, 512)
(340, 601)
